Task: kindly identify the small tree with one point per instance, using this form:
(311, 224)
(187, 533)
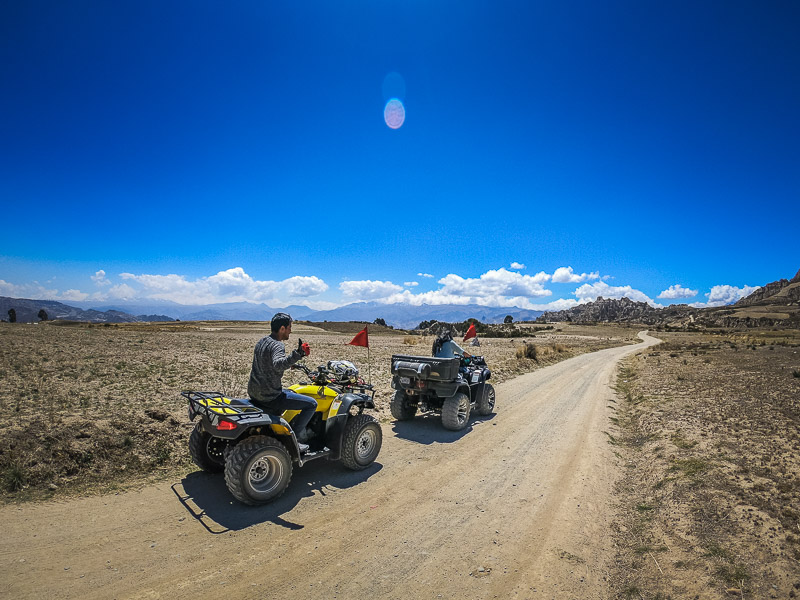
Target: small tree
(508, 319)
(43, 315)
(380, 322)
(12, 315)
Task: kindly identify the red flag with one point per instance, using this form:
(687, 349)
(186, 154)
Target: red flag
(471, 333)
(361, 339)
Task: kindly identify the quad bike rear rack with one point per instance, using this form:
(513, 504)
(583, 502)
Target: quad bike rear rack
(215, 405)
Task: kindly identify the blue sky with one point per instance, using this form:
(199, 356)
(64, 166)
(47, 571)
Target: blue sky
(201, 152)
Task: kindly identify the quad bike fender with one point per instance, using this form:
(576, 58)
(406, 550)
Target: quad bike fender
(212, 425)
(476, 393)
(448, 390)
(337, 419)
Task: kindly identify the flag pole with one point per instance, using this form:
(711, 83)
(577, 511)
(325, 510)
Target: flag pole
(369, 366)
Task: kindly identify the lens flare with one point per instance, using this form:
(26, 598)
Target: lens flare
(394, 114)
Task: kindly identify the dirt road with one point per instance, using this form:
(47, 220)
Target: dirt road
(516, 505)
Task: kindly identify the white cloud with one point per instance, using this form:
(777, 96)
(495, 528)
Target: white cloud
(560, 304)
(500, 282)
(121, 291)
(425, 275)
(75, 295)
(28, 290)
(499, 287)
(100, 278)
(232, 285)
(368, 289)
(566, 275)
(518, 266)
(721, 295)
(411, 283)
(677, 291)
(590, 292)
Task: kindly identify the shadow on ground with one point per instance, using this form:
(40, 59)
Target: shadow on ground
(428, 429)
(208, 500)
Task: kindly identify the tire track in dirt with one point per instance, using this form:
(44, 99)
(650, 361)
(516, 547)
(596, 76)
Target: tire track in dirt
(502, 496)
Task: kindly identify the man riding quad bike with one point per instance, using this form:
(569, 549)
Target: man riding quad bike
(451, 386)
(257, 449)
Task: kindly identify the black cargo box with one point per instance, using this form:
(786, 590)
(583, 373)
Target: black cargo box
(426, 367)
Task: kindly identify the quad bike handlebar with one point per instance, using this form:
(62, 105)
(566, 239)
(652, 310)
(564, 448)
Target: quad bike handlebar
(477, 361)
(324, 376)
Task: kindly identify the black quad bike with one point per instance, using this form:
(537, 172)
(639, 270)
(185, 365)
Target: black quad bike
(452, 386)
(256, 449)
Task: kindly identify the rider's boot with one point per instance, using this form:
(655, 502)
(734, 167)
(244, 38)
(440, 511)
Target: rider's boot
(302, 437)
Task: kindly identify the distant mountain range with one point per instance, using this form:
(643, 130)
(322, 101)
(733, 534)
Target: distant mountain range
(777, 303)
(403, 316)
(407, 316)
(27, 311)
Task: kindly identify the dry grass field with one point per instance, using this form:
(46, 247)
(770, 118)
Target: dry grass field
(709, 432)
(89, 408)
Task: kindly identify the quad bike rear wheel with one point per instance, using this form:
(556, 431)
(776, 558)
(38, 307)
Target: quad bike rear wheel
(361, 442)
(401, 406)
(485, 404)
(207, 451)
(258, 470)
(455, 412)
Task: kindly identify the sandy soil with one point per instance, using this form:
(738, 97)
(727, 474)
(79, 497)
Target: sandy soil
(708, 428)
(516, 505)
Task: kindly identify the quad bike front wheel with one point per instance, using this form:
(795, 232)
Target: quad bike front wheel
(258, 470)
(207, 451)
(361, 442)
(485, 404)
(455, 412)
(401, 407)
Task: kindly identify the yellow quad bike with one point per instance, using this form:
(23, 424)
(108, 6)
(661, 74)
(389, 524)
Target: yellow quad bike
(256, 450)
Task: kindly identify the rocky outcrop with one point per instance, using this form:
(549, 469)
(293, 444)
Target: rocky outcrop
(775, 304)
(605, 310)
(779, 292)
(763, 293)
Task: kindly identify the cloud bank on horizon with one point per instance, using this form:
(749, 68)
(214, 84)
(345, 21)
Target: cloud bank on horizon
(496, 287)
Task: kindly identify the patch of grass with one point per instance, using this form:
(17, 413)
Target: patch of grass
(528, 351)
(690, 466)
(660, 484)
(682, 443)
(713, 549)
(644, 507)
(14, 477)
(162, 452)
(795, 373)
(571, 557)
(733, 574)
(411, 340)
(632, 592)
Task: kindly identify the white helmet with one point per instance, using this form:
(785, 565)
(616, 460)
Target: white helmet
(344, 370)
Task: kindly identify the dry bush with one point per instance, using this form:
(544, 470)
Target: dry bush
(557, 347)
(411, 340)
(528, 351)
